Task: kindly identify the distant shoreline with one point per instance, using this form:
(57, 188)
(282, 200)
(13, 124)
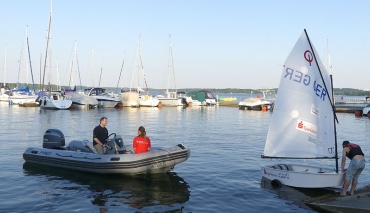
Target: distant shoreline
(337, 91)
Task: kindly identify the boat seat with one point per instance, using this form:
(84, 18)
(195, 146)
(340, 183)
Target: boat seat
(90, 145)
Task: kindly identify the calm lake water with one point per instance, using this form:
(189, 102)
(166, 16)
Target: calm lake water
(221, 175)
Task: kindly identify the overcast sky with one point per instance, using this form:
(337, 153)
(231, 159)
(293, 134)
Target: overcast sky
(216, 44)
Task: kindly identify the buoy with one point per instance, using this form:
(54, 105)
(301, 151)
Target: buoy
(368, 115)
(264, 108)
(358, 113)
(119, 105)
(159, 105)
(276, 183)
(190, 104)
(72, 107)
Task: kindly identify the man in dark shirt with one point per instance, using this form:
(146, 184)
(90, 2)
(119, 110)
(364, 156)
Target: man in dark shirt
(353, 152)
(100, 135)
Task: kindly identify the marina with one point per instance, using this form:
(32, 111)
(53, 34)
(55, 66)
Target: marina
(196, 106)
(217, 167)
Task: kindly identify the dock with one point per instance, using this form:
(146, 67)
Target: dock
(341, 106)
(335, 203)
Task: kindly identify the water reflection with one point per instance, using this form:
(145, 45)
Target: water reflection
(297, 196)
(145, 192)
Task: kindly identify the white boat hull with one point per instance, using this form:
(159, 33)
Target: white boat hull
(174, 102)
(22, 99)
(107, 103)
(82, 100)
(157, 160)
(130, 99)
(148, 101)
(49, 103)
(303, 176)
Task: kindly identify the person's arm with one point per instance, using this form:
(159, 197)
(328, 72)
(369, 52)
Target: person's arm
(149, 144)
(134, 145)
(97, 141)
(344, 158)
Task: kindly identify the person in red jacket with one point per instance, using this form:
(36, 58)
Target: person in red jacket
(141, 143)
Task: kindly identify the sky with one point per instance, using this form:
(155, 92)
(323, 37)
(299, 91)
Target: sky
(215, 44)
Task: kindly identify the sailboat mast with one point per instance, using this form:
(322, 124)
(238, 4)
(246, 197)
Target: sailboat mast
(120, 73)
(101, 71)
(335, 124)
(4, 67)
(331, 100)
(58, 80)
(29, 60)
(47, 45)
(78, 67)
(40, 70)
(20, 62)
(172, 64)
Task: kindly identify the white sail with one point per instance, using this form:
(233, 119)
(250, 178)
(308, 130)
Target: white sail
(302, 124)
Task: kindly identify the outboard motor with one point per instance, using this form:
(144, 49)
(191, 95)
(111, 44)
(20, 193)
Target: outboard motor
(53, 139)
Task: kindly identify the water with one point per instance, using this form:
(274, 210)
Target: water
(221, 175)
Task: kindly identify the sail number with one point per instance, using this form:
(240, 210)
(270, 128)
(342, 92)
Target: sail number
(299, 77)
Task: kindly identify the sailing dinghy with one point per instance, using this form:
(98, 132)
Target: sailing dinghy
(303, 124)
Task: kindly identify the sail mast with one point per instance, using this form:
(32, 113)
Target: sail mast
(20, 62)
(29, 59)
(172, 65)
(318, 67)
(4, 67)
(331, 100)
(101, 71)
(47, 46)
(120, 73)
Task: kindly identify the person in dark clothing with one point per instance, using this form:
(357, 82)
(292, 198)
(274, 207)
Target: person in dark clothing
(353, 152)
(100, 135)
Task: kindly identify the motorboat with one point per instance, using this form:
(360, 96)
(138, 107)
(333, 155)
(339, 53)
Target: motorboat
(205, 97)
(174, 99)
(118, 158)
(104, 99)
(82, 100)
(366, 110)
(130, 98)
(254, 104)
(148, 101)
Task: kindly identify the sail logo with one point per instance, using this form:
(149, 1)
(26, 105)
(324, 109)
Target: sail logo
(307, 127)
(315, 111)
(308, 56)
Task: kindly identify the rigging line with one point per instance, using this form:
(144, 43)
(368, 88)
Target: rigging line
(322, 78)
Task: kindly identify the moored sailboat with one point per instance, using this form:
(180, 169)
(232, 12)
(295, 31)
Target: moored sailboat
(50, 100)
(303, 122)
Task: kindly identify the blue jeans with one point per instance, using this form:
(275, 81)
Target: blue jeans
(354, 169)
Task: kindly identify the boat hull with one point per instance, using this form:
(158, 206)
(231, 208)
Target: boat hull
(155, 161)
(148, 101)
(173, 102)
(303, 176)
(49, 103)
(130, 99)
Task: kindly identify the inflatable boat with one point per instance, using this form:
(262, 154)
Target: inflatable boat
(118, 158)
